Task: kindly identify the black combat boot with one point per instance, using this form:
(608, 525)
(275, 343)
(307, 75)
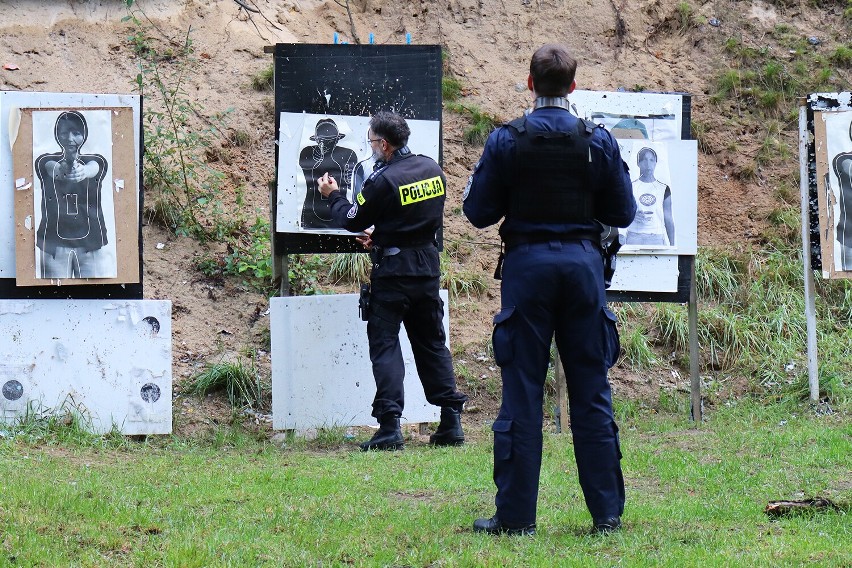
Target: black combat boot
(449, 432)
(388, 437)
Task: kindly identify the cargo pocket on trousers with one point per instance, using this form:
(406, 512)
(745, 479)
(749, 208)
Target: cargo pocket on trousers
(386, 315)
(501, 337)
(612, 342)
(502, 439)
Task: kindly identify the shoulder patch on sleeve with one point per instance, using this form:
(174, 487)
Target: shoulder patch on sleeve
(352, 210)
(470, 180)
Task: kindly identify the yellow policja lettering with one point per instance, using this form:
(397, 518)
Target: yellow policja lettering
(421, 190)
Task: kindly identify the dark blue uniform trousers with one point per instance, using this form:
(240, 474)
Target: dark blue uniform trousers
(414, 302)
(548, 288)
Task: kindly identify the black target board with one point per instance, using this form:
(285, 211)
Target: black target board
(338, 87)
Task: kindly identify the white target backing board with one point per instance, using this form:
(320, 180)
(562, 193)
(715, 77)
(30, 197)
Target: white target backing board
(321, 371)
(107, 361)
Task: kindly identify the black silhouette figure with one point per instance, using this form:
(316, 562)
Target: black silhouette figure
(326, 156)
(842, 165)
(72, 232)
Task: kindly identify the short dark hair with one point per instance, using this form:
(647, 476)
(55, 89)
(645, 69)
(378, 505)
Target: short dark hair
(392, 127)
(646, 151)
(552, 69)
(72, 117)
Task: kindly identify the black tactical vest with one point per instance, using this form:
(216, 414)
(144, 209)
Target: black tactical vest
(552, 175)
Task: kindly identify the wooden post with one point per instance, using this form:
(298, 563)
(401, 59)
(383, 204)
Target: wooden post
(694, 373)
(561, 394)
(280, 262)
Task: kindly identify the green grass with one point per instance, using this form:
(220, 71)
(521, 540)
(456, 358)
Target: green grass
(451, 88)
(240, 381)
(262, 81)
(350, 267)
(695, 496)
(481, 122)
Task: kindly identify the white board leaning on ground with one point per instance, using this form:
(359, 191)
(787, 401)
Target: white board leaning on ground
(109, 362)
(310, 145)
(11, 101)
(321, 371)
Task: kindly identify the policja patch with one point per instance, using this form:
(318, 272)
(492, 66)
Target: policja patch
(421, 190)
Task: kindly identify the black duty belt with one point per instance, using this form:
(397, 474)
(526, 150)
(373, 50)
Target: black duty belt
(529, 239)
(391, 251)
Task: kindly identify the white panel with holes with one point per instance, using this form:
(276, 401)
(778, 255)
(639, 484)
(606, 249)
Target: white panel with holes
(321, 371)
(107, 362)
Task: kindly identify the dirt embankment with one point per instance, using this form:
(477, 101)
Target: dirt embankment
(655, 45)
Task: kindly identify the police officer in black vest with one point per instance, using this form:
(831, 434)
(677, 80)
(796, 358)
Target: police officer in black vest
(403, 200)
(553, 178)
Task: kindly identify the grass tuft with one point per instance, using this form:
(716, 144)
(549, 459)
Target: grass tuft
(241, 383)
(482, 123)
(263, 81)
(350, 267)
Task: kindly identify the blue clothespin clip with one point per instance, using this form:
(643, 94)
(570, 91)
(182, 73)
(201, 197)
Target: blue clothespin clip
(408, 38)
(335, 38)
(371, 38)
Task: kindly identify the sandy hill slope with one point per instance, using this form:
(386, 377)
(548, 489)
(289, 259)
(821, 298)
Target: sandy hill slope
(654, 45)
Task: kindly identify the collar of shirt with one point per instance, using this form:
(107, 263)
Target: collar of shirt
(397, 154)
(559, 102)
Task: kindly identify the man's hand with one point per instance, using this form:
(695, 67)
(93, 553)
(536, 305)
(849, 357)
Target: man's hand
(326, 184)
(366, 240)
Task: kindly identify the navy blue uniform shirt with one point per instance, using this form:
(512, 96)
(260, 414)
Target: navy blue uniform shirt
(404, 201)
(486, 199)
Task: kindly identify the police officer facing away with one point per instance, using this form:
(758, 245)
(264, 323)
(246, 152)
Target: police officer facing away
(552, 177)
(404, 200)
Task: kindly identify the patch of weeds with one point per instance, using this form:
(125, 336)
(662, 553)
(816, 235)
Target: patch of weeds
(466, 380)
(718, 275)
(771, 78)
(236, 435)
(451, 88)
(700, 131)
(685, 13)
(184, 193)
(249, 255)
(833, 388)
(461, 282)
(330, 437)
(350, 267)
(67, 424)
(482, 123)
(672, 401)
(263, 81)
(772, 147)
(302, 274)
(240, 381)
(746, 172)
(240, 138)
(636, 350)
(787, 191)
(673, 322)
(786, 221)
(842, 56)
